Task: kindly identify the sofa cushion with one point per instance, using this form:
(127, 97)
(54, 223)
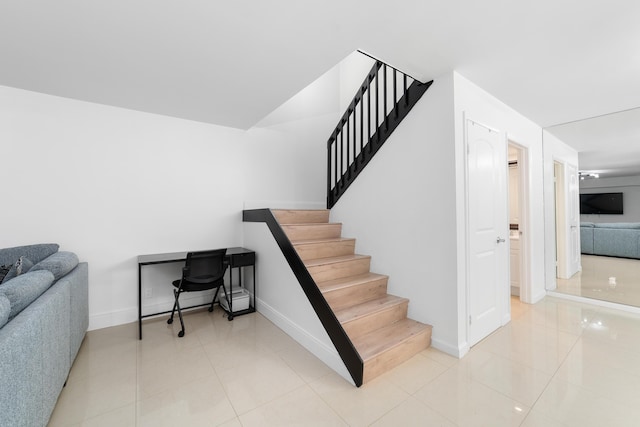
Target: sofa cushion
(616, 242)
(587, 224)
(22, 265)
(5, 309)
(59, 264)
(24, 289)
(35, 253)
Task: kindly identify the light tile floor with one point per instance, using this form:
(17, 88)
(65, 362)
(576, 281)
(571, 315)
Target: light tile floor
(558, 363)
(593, 281)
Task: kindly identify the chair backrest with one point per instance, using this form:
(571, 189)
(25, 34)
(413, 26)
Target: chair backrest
(206, 263)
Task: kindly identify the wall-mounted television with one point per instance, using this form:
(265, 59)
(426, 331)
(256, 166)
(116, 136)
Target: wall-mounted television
(601, 203)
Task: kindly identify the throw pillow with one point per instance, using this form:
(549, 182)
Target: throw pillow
(4, 269)
(21, 266)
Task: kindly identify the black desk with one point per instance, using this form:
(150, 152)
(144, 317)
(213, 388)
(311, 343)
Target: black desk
(236, 257)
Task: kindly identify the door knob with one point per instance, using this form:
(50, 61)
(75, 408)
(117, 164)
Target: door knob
(500, 240)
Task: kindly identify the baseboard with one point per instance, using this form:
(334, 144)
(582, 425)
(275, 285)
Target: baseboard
(538, 297)
(112, 318)
(455, 351)
(327, 354)
(129, 315)
(598, 303)
(506, 319)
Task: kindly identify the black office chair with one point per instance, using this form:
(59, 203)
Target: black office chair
(203, 270)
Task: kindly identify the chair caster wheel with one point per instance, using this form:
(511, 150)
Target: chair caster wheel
(210, 309)
(230, 318)
(169, 321)
(181, 334)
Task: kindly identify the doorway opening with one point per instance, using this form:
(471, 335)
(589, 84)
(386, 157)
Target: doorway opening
(518, 195)
(567, 221)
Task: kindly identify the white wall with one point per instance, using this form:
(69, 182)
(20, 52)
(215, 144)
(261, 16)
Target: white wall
(554, 151)
(629, 187)
(289, 146)
(109, 184)
(400, 210)
(353, 70)
(288, 162)
(476, 104)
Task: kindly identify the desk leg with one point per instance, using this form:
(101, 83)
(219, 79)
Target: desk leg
(230, 296)
(139, 301)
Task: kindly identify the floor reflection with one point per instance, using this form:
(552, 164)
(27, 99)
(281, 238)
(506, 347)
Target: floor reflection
(605, 278)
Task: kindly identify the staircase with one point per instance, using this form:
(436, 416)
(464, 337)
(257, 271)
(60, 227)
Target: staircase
(368, 327)
(375, 322)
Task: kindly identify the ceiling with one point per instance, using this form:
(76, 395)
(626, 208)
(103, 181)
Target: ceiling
(232, 63)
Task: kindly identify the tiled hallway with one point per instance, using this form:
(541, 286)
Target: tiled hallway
(558, 363)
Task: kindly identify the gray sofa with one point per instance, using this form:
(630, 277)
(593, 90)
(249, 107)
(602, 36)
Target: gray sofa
(44, 317)
(619, 239)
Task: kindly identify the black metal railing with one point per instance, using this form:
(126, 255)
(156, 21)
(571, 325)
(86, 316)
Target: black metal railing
(337, 334)
(383, 100)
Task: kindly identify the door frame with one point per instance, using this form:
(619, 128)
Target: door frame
(560, 217)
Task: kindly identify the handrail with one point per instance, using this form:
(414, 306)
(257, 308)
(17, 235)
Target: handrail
(337, 334)
(388, 65)
(371, 124)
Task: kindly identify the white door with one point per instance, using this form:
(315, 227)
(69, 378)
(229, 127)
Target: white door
(488, 232)
(574, 220)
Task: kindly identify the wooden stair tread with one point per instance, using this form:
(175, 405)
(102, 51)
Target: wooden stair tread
(321, 241)
(377, 342)
(309, 231)
(306, 224)
(333, 260)
(357, 311)
(331, 285)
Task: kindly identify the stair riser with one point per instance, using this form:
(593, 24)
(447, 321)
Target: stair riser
(396, 355)
(356, 294)
(301, 216)
(325, 250)
(311, 232)
(339, 270)
(373, 321)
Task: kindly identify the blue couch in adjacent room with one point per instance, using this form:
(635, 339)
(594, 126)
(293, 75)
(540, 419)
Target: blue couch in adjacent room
(618, 239)
(44, 316)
